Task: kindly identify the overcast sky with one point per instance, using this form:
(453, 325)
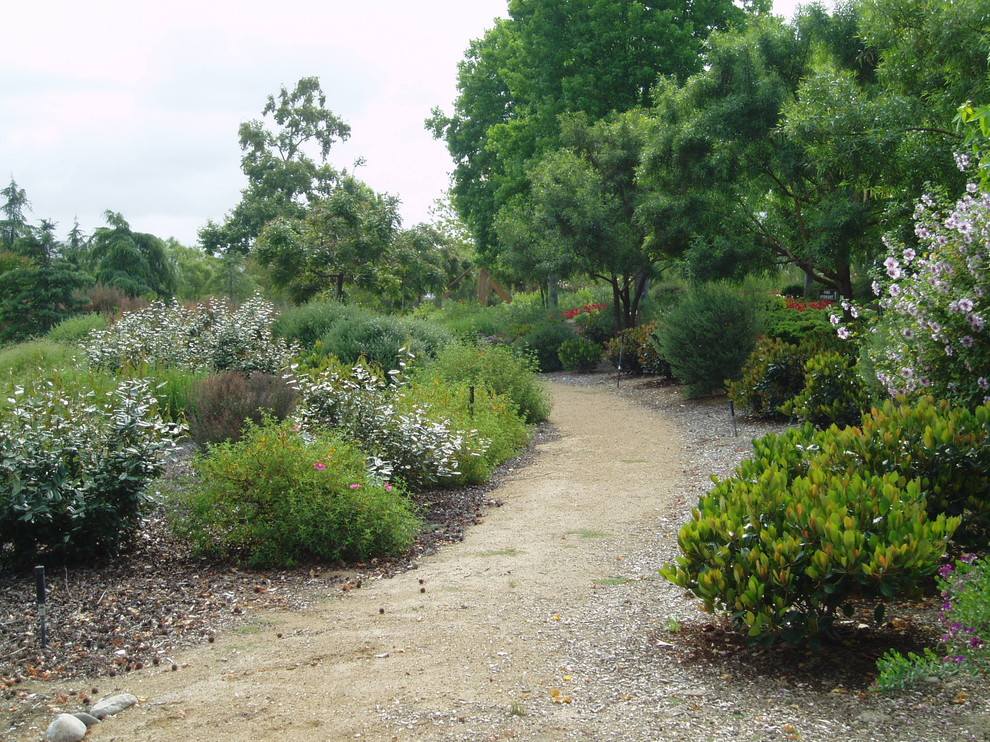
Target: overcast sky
(134, 107)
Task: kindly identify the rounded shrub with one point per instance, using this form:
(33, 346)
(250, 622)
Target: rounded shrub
(544, 343)
(707, 338)
(578, 354)
(309, 322)
(833, 392)
(772, 376)
(220, 404)
(278, 498)
(75, 471)
(380, 340)
(496, 367)
(782, 554)
(634, 351)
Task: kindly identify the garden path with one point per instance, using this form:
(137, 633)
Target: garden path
(466, 646)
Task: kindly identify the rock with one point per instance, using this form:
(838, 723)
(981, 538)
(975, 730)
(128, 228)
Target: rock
(112, 705)
(65, 728)
(87, 719)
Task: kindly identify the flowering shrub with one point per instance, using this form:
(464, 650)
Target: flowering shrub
(800, 305)
(934, 335)
(219, 404)
(586, 309)
(281, 496)
(75, 471)
(406, 443)
(208, 336)
(965, 617)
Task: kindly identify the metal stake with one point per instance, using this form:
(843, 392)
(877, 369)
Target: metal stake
(39, 583)
(732, 411)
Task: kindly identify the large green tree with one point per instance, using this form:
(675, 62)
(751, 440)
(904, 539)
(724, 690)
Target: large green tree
(343, 237)
(285, 161)
(134, 262)
(549, 58)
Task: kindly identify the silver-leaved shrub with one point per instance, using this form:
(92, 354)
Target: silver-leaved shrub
(75, 470)
(204, 337)
(407, 443)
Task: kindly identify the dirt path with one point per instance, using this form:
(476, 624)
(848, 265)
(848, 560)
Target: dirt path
(468, 645)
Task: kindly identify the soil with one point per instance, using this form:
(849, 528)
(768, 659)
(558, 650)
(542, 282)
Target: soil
(541, 619)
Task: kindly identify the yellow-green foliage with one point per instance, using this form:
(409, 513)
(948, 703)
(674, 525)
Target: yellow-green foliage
(817, 517)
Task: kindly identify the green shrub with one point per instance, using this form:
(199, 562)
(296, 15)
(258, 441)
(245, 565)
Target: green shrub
(493, 417)
(634, 351)
(402, 441)
(220, 404)
(383, 340)
(795, 290)
(544, 343)
(782, 554)
(578, 354)
(73, 330)
(310, 322)
(495, 367)
(278, 497)
(596, 323)
(23, 362)
(772, 375)
(833, 392)
(74, 472)
(707, 338)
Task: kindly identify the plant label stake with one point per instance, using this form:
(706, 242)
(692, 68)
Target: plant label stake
(39, 582)
(472, 400)
(732, 411)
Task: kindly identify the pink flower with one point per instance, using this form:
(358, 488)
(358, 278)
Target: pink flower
(355, 486)
(388, 487)
(320, 465)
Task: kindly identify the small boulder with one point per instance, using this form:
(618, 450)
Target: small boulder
(112, 705)
(65, 728)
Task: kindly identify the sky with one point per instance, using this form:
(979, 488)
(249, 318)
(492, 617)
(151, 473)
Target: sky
(134, 107)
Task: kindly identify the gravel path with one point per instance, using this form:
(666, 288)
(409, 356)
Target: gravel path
(548, 621)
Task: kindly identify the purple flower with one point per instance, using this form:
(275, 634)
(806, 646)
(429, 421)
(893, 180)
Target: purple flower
(967, 341)
(976, 322)
(965, 305)
(319, 465)
(982, 381)
(355, 486)
(909, 255)
(844, 333)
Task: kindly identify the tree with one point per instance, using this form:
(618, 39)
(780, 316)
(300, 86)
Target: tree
(134, 262)
(550, 58)
(283, 176)
(343, 237)
(582, 211)
(14, 223)
(38, 289)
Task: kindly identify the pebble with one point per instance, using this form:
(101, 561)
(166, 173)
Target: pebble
(87, 719)
(112, 705)
(65, 728)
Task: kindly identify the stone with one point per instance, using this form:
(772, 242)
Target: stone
(87, 719)
(65, 728)
(112, 705)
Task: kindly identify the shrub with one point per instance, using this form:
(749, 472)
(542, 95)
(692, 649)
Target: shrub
(798, 322)
(23, 362)
(772, 375)
(495, 418)
(578, 354)
(74, 330)
(634, 351)
(220, 404)
(965, 618)
(404, 442)
(935, 327)
(310, 322)
(544, 343)
(707, 338)
(383, 340)
(278, 497)
(781, 554)
(204, 337)
(495, 367)
(74, 472)
(795, 290)
(833, 392)
(109, 300)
